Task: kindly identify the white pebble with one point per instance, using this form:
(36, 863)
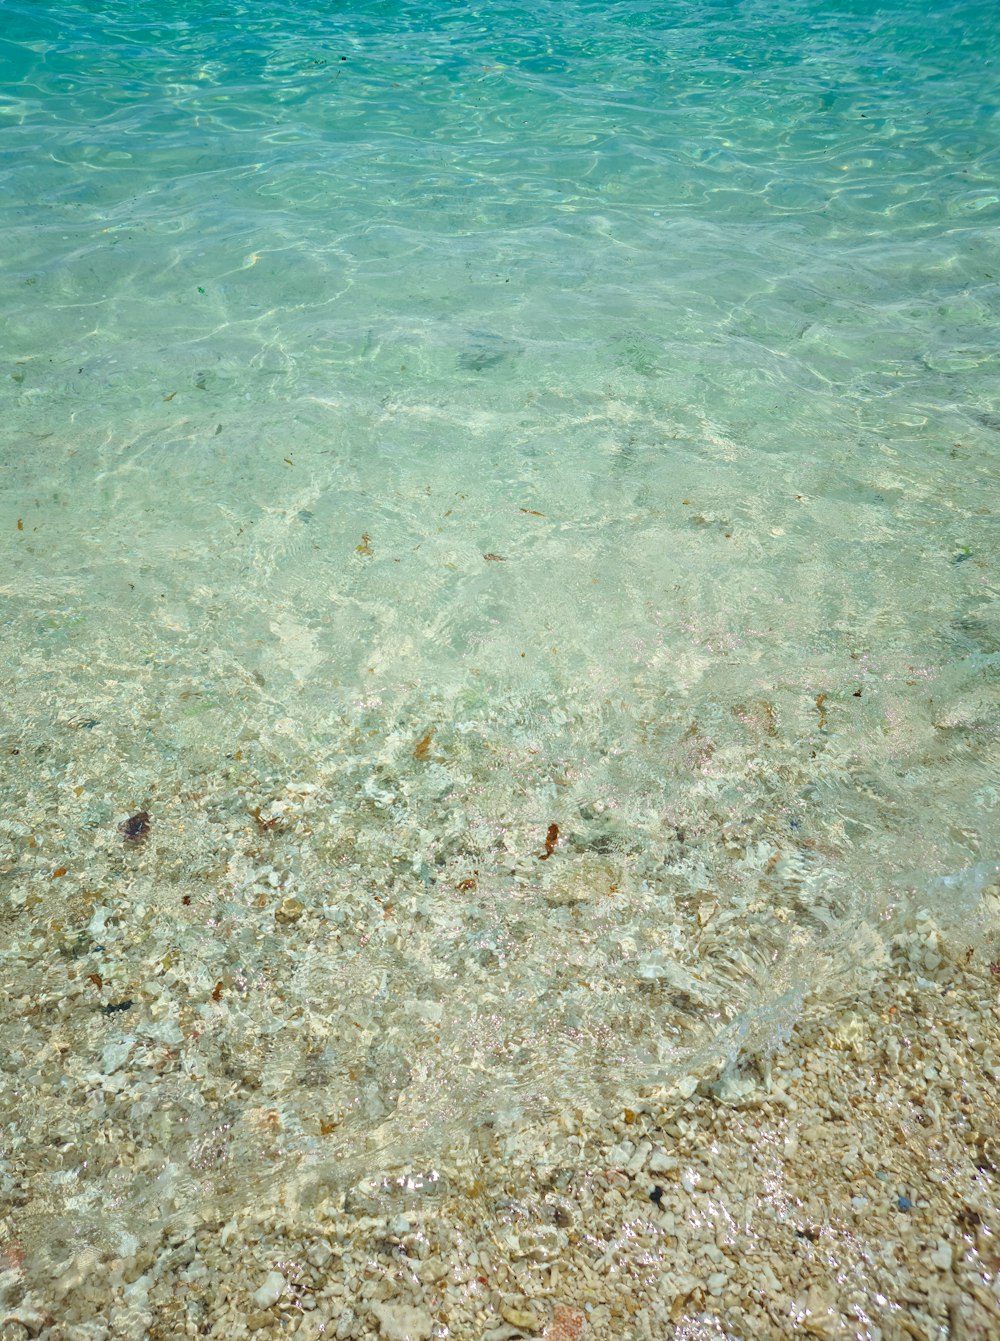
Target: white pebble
(319, 1253)
(399, 1322)
(639, 1158)
(270, 1291)
(115, 1053)
(941, 1256)
(661, 1163)
(619, 1155)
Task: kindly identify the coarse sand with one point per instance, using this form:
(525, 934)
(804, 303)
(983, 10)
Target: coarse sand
(844, 1187)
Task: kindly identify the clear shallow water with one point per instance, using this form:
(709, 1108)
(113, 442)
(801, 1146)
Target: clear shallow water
(425, 426)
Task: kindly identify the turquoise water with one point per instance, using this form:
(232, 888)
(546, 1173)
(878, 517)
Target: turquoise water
(423, 426)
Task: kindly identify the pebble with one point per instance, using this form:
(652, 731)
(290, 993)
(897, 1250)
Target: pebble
(519, 1315)
(637, 1161)
(289, 910)
(661, 1163)
(115, 1054)
(732, 1089)
(401, 1322)
(941, 1256)
(619, 1155)
(319, 1254)
(270, 1291)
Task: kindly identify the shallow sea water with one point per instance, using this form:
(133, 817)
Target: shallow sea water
(510, 493)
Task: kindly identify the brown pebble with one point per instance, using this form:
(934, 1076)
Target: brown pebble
(289, 909)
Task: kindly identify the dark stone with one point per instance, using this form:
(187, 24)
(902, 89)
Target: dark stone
(136, 827)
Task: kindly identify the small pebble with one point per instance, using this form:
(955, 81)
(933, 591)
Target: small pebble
(289, 910)
(661, 1163)
(270, 1291)
(941, 1256)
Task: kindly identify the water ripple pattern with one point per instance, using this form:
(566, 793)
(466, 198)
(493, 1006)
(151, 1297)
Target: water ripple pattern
(509, 494)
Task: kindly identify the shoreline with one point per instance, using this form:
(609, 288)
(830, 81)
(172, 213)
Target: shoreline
(846, 1189)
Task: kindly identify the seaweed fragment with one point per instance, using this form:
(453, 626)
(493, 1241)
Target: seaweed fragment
(551, 840)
